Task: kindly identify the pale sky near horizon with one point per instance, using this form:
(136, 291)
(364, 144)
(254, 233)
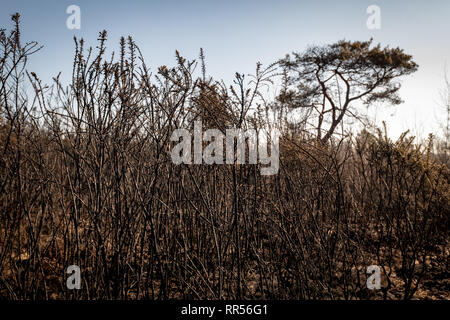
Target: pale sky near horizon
(235, 34)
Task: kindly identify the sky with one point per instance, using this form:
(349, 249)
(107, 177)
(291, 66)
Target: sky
(236, 34)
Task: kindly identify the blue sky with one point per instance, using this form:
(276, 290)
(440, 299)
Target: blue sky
(236, 34)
